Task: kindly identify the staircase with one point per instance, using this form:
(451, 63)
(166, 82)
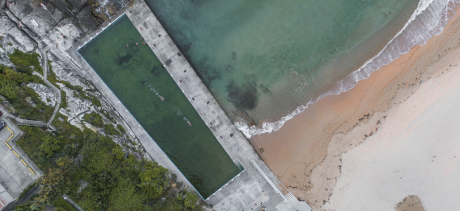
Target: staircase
(26, 121)
(257, 203)
(290, 197)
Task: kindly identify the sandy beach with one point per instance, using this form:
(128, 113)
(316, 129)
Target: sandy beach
(390, 137)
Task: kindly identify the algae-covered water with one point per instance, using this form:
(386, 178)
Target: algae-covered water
(138, 79)
(263, 58)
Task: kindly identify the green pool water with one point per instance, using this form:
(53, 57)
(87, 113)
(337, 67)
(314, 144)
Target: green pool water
(138, 79)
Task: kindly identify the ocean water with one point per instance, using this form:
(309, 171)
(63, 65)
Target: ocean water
(138, 79)
(266, 61)
(262, 59)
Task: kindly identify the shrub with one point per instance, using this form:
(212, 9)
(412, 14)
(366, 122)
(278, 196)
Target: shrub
(49, 146)
(63, 100)
(94, 119)
(26, 190)
(121, 129)
(62, 204)
(109, 129)
(26, 59)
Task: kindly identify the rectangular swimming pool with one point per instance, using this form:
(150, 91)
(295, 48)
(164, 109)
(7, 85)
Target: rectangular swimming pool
(139, 80)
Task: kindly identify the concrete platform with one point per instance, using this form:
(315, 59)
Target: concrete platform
(15, 176)
(238, 193)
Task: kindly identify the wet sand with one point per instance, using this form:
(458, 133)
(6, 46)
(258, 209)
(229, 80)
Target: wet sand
(308, 153)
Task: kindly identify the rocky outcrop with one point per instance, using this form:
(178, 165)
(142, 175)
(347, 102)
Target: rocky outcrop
(12, 34)
(112, 9)
(45, 93)
(101, 16)
(64, 35)
(21, 9)
(86, 18)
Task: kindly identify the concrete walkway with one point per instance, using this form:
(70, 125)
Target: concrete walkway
(25, 121)
(251, 184)
(17, 170)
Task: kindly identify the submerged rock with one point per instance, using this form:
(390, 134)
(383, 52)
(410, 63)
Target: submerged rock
(244, 95)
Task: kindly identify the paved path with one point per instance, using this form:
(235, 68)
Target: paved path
(25, 121)
(56, 91)
(17, 170)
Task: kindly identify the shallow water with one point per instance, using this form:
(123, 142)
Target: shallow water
(138, 79)
(262, 59)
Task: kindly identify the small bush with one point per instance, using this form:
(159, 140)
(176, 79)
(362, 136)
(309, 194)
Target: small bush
(110, 130)
(63, 204)
(26, 190)
(91, 98)
(121, 129)
(94, 119)
(26, 59)
(63, 100)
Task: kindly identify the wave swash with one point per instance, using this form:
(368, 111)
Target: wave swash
(428, 20)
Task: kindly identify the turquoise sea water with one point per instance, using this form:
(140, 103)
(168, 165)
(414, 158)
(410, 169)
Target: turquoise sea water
(138, 79)
(263, 58)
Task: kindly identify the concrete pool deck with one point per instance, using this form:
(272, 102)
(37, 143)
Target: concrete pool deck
(248, 188)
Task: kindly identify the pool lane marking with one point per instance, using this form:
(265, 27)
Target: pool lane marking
(6, 142)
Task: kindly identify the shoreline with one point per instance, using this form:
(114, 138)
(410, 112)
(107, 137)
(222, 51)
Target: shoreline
(429, 22)
(308, 159)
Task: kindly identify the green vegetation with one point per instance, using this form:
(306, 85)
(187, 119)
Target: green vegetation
(26, 190)
(70, 157)
(109, 129)
(26, 59)
(94, 119)
(115, 181)
(13, 88)
(106, 114)
(62, 204)
(49, 146)
(76, 88)
(121, 129)
(63, 100)
(91, 98)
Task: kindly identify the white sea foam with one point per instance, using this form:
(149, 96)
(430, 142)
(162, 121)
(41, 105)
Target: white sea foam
(428, 20)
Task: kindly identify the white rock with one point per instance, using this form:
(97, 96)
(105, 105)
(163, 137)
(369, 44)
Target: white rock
(45, 93)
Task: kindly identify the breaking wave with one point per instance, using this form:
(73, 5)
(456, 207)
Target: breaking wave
(428, 20)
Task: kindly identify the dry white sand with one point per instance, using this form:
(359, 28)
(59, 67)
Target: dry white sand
(369, 148)
(416, 151)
